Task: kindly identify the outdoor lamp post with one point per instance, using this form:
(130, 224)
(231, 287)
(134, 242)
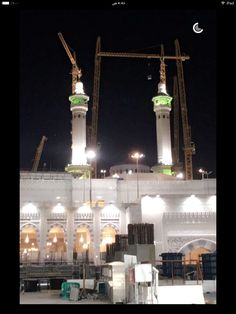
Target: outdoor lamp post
(104, 172)
(204, 172)
(137, 156)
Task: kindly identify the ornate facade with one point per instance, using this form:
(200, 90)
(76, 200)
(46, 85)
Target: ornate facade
(56, 221)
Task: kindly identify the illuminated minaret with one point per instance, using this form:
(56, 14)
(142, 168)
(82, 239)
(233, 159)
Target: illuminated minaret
(162, 108)
(79, 108)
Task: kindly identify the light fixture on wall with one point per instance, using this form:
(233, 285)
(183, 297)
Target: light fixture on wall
(81, 239)
(85, 246)
(54, 239)
(27, 238)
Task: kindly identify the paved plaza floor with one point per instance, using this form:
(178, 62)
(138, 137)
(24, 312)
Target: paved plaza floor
(53, 297)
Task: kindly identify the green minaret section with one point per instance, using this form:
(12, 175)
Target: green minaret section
(82, 171)
(162, 100)
(164, 169)
(78, 100)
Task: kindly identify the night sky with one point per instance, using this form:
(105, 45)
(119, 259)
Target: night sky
(126, 118)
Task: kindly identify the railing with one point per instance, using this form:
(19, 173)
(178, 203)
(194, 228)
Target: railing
(182, 270)
(188, 217)
(57, 270)
(53, 175)
(83, 215)
(61, 216)
(30, 216)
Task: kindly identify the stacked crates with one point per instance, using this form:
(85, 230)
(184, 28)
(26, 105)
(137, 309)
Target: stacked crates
(121, 242)
(169, 268)
(209, 266)
(110, 252)
(120, 245)
(140, 234)
(55, 283)
(31, 285)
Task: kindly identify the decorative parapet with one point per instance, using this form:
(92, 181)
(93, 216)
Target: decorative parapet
(85, 216)
(26, 175)
(29, 216)
(176, 243)
(57, 216)
(187, 218)
(114, 215)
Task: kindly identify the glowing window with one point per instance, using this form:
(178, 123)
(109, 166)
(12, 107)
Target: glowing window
(58, 209)
(29, 209)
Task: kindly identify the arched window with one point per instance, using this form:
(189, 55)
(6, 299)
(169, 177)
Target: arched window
(108, 237)
(56, 245)
(82, 245)
(29, 250)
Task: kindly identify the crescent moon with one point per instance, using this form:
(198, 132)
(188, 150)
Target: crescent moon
(196, 29)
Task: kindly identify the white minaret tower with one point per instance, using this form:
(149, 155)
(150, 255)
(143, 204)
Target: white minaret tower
(162, 108)
(79, 108)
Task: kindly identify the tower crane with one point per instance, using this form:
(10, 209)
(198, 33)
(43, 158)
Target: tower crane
(76, 72)
(92, 130)
(98, 54)
(38, 154)
(189, 148)
(175, 150)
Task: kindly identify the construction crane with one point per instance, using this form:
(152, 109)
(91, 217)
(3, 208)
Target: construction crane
(76, 72)
(189, 147)
(97, 72)
(92, 130)
(175, 149)
(38, 154)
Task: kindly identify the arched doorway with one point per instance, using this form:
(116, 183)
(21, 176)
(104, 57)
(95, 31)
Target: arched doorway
(82, 247)
(29, 250)
(192, 252)
(107, 236)
(193, 249)
(56, 246)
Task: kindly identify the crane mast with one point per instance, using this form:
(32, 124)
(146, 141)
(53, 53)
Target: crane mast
(76, 72)
(97, 72)
(188, 148)
(162, 67)
(96, 87)
(176, 122)
(38, 154)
